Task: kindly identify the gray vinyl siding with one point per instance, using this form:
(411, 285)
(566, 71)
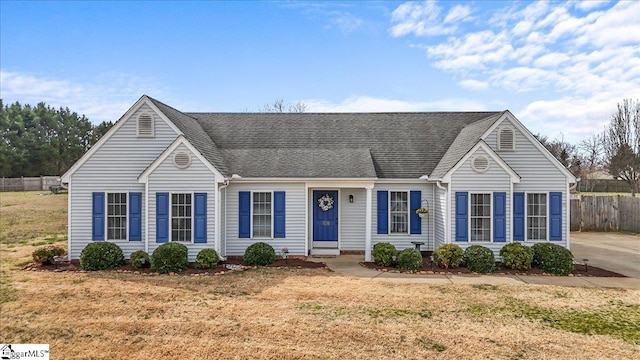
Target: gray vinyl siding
(352, 217)
(294, 218)
(495, 179)
(537, 173)
(197, 178)
(403, 241)
(114, 167)
(439, 213)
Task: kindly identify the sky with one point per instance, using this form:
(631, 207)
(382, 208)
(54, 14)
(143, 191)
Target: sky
(560, 67)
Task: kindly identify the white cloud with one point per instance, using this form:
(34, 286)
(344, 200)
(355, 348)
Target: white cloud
(422, 19)
(472, 84)
(344, 21)
(106, 99)
(589, 5)
(374, 104)
(458, 13)
(574, 61)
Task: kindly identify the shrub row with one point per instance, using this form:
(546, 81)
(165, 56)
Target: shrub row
(385, 254)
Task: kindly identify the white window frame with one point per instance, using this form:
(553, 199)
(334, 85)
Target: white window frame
(499, 138)
(106, 215)
(408, 232)
(490, 193)
(272, 217)
(153, 125)
(526, 216)
(190, 241)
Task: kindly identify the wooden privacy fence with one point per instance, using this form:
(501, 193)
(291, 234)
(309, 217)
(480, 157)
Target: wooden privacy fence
(605, 213)
(28, 183)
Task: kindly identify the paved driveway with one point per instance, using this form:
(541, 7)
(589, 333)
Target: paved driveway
(612, 251)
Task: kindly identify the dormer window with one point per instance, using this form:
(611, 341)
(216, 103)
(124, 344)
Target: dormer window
(145, 125)
(506, 138)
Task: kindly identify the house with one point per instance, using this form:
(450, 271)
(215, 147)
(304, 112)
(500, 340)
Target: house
(315, 183)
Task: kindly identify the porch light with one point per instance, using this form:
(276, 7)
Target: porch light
(351, 198)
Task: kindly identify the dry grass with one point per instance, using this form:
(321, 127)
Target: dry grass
(25, 216)
(306, 314)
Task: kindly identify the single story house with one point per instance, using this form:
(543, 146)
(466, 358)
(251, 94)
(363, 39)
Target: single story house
(315, 183)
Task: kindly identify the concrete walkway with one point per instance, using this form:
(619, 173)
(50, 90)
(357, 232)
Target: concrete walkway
(349, 265)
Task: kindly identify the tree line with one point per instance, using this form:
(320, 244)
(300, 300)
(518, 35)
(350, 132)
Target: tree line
(40, 140)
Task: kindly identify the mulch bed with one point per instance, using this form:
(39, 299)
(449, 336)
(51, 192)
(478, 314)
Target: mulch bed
(430, 268)
(231, 264)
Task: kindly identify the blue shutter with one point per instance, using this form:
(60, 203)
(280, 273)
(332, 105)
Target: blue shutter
(278, 214)
(162, 217)
(555, 220)
(200, 218)
(97, 231)
(500, 217)
(383, 212)
(518, 216)
(135, 216)
(416, 221)
(462, 219)
(244, 221)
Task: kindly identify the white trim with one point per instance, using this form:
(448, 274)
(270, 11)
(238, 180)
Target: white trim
(69, 219)
(251, 215)
(193, 208)
(217, 216)
(306, 220)
(180, 140)
(368, 223)
(567, 215)
(144, 100)
(491, 240)
(527, 134)
(146, 216)
(515, 178)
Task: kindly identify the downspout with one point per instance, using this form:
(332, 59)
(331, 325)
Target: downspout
(219, 189)
(568, 218)
(146, 215)
(447, 214)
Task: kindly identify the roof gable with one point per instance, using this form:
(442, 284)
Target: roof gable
(515, 178)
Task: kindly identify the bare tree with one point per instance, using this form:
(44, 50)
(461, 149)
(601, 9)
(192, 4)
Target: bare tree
(622, 144)
(278, 106)
(565, 152)
(592, 154)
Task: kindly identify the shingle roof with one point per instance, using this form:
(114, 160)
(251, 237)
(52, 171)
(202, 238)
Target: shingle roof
(465, 141)
(338, 145)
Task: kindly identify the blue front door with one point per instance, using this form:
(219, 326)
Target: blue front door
(325, 215)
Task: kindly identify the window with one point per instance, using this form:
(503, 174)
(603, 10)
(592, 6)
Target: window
(261, 214)
(506, 138)
(181, 217)
(144, 125)
(399, 211)
(536, 216)
(117, 216)
(480, 217)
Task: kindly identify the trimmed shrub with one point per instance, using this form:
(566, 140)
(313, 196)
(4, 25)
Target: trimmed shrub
(553, 258)
(384, 254)
(410, 259)
(208, 259)
(259, 253)
(448, 256)
(45, 255)
(479, 259)
(139, 259)
(517, 256)
(170, 257)
(101, 256)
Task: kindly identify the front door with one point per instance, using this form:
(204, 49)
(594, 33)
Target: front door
(325, 215)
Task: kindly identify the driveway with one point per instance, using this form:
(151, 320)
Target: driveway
(612, 251)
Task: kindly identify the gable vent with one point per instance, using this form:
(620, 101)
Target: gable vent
(145, 125)
(506, 139)
(182, 160)
(480, 163)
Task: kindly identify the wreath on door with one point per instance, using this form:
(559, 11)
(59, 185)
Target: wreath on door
(325, 202)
